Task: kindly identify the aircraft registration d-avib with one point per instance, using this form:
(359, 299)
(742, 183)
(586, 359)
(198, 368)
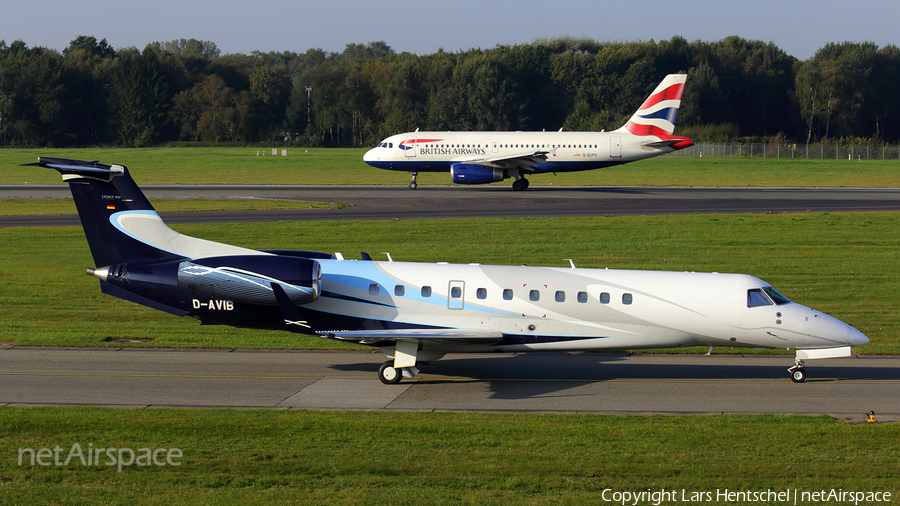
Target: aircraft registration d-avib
(418, 312)
(486, 157)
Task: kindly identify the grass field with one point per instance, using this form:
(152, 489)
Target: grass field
(343, 458)
(843, 264)
(345, 166)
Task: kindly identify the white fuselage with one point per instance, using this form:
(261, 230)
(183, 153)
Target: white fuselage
(541, 308)
(567, 151)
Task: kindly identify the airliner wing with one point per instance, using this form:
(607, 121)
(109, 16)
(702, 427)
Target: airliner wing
(527, 160)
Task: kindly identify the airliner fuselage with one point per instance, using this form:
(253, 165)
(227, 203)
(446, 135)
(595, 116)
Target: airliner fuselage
(486, 157)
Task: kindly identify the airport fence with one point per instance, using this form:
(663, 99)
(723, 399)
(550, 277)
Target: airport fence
(779, 150)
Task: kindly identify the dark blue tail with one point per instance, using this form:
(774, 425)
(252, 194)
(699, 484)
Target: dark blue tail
(102, 192)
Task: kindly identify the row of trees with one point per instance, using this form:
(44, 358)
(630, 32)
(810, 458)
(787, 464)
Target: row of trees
(186, 91)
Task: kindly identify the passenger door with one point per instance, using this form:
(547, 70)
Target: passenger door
(456, 295)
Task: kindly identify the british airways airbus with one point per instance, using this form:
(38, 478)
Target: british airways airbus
(418, 312)
(486, 157)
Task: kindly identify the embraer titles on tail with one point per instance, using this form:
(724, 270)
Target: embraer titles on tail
(418, 312)
(486, 157)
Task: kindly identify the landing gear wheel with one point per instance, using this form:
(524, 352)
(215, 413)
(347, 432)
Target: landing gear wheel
(388, 374)
(412, 186)
(798, 375)
(520, 184)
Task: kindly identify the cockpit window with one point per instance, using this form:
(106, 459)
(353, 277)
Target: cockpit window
(776, 296)
(756, 298)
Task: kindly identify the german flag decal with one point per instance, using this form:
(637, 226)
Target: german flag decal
(111, 206)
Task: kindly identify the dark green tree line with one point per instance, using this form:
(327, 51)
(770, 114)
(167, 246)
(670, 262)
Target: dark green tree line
(187, 91)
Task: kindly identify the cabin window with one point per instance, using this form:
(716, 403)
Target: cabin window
(481, 293)
(560, 296)
(507, 294)
(456, 292)
(426, 291)
(534, 295)
(399, 290)
(604, 298)
(373, 289)
(755, 298)
(627, 298)
(582, 297)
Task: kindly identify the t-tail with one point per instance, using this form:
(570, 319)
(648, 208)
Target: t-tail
(104, 195)
(120, 223)
(137, 257)
(656, 116)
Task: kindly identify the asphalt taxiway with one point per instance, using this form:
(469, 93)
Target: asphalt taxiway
(542, 382)
(401, 203)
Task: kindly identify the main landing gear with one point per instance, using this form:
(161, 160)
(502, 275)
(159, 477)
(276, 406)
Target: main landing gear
(390, 375)
(520, 184)
(798, 374)
(412, 185)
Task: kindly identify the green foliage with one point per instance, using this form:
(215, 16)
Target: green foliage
(92, 95)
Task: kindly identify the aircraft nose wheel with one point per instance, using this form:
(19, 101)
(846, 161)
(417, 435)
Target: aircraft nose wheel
(388, 374)
(412, 184)
(798, 374)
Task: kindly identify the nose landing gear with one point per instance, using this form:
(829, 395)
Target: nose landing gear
(412, 184)
(798, 374)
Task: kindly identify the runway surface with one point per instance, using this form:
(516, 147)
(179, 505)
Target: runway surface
(586, 382)
(393, 202)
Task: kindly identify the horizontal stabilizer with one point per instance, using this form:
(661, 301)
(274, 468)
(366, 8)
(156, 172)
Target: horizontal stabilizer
(78, 168)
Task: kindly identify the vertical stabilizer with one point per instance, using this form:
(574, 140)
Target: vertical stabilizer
(657, 114)
(120, 224)
(102, 193)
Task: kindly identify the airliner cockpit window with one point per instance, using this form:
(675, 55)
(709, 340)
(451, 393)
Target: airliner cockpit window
(776, 296)
(756, 298)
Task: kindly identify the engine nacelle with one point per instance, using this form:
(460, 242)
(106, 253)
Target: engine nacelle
(249, 279)
(472, 173)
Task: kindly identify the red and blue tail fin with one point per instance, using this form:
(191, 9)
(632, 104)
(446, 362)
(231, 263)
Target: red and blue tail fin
(657, 115)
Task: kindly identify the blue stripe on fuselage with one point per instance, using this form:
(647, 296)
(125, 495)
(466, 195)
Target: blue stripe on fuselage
(444, 166)
(360, 275)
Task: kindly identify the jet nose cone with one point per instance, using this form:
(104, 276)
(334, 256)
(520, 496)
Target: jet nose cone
(370, 156)
(857, 338)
